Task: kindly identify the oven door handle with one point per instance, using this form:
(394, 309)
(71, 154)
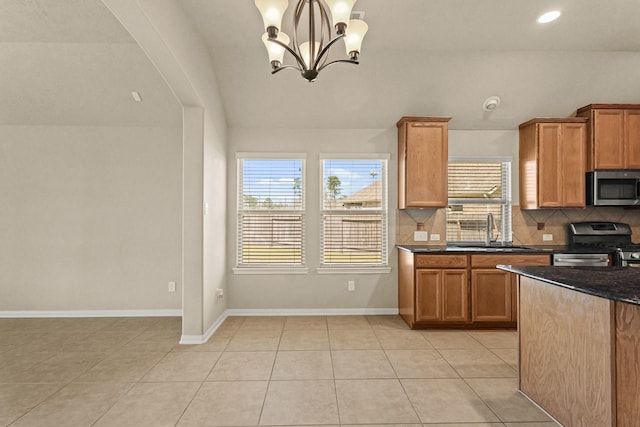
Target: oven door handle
(583, 260)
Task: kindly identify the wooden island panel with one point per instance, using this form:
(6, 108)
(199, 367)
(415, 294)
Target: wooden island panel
(628, 363)
(567, 354)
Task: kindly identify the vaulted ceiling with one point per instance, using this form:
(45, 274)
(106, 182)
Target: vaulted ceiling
(70, 62)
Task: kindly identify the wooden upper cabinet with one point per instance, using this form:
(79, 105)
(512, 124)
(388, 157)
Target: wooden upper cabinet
(613, 140)
(553, 163)
(423, 156)
(632, 136)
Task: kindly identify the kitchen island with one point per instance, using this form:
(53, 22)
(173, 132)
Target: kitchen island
(579, 342)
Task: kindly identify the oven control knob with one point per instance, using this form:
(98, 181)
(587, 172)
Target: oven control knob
(635, 255)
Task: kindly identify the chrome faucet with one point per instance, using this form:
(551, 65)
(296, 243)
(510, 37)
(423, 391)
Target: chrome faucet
(489, 236)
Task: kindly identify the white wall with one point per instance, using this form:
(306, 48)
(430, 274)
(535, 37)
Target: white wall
(320, 291)
(312, 290)
(90, 218)
(168, 37)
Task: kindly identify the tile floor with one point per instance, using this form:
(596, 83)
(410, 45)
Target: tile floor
(285, 371)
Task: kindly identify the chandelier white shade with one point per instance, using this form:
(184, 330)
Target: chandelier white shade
(340, 10)
(272, 11)
(276, 51)
(310, 50)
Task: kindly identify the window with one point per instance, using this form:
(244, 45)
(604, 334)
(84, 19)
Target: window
(478, 187)
(354, 212)
(271, 220)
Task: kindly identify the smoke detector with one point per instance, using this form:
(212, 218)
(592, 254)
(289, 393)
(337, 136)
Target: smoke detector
(491, 103)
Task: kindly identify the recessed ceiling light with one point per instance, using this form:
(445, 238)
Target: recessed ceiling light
(136, 96)
(548, 17)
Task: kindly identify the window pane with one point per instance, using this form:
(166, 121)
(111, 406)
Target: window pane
(354, 217)
(352, 239)
(272, 184)
(477, 188)
(352, 184)
(475, 180)
(271, 239)
(270, 212)
(469, 222)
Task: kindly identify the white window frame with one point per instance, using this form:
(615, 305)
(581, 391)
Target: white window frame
(384, 211)
(267, 268)
(506, 229)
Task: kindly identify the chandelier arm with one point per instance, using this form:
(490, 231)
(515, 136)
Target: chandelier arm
(285, 66)
(343, 61)
(325, 30)
(292, 52)
(324, 51)
(312, 33)
(296, 21)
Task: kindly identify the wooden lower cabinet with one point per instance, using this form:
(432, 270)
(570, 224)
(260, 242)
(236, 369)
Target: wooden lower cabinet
(459, 291)
(441, 296)
(491, 296)
(493, 291)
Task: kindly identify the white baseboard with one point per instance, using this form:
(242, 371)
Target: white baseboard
(90, 313)
(310, 311)
(201, 339)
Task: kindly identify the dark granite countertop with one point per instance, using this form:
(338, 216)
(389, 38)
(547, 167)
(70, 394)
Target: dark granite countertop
(547, 249)
(613, 283)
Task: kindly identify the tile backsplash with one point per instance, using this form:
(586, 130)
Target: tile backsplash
(525, 222)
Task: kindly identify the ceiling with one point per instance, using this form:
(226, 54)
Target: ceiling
(70, 62)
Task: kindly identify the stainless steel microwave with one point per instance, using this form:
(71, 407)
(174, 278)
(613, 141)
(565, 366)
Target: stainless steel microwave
(613, 188)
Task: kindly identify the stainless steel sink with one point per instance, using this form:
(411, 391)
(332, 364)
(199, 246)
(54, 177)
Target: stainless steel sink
(467, 249)
(494, 247)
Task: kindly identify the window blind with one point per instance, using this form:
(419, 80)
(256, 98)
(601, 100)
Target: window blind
(271, 220)
(477, 188)
(354, 212)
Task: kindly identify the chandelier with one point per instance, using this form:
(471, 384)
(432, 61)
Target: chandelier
(311, 55)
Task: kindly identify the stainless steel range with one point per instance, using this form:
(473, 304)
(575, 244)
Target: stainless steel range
(608, 237)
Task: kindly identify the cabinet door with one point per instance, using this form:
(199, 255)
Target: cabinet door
(491, 296)
(574, 163)
(550, 165)
(455, 301)
(426, 165)
(632, 138)
(428, 295)
(608, 139)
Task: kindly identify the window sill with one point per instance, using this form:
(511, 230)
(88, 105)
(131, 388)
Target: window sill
(353, 270)
(275, 270)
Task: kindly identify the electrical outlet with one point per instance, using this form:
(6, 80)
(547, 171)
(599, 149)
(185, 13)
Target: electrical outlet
(547, 237)
(435, 237)
(172, 286)
(420, 236)
(351, 285)
(219, 293)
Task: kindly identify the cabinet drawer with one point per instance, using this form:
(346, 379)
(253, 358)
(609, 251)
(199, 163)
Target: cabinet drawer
(441, 261)
(490, 261)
